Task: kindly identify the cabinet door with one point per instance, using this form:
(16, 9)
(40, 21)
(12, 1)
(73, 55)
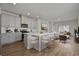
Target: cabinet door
(18, 36)
(9, 20)
(8, 38)
(17, 22)
(11, 37)
(5, 20)
(4, 39)
(12, 21)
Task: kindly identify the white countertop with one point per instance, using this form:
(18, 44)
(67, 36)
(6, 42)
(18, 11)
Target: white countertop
(40, 34)
(3, 34)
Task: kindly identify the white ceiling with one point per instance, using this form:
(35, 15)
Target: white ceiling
(47, 11)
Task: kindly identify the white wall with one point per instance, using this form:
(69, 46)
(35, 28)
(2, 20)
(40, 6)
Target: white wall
(73, 24)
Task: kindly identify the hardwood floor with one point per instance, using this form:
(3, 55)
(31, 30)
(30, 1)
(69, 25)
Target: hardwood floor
(55, 48)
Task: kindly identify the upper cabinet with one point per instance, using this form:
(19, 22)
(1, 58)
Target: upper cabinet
(10, 21)
(17, 22)
(5, 20)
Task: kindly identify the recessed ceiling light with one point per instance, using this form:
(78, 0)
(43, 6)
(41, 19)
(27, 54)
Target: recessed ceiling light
(14, 3)
(28, 13)
(58, 19)
(37, 16)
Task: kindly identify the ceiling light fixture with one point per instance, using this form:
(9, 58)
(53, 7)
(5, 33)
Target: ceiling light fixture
(14, 3)
(58, 19)
(37, 16)
(28, 13)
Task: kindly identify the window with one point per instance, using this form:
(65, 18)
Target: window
(64, 28)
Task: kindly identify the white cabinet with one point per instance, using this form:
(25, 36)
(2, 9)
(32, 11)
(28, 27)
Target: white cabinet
(17, 22)
(7, 38)
(10, 37)
(18, 36)
(4, 39)
(5, 20)
(12, 21)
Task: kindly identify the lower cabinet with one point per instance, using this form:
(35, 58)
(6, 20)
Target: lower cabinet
(10, 37)
(18, 36)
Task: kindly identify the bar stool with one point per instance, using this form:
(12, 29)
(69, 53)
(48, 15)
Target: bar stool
(33, 40)
(45, 40)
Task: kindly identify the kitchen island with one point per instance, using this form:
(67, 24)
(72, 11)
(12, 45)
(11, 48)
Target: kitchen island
(39, 44)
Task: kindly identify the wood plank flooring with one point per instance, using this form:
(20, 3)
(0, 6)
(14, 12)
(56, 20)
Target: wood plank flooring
(55, 48)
